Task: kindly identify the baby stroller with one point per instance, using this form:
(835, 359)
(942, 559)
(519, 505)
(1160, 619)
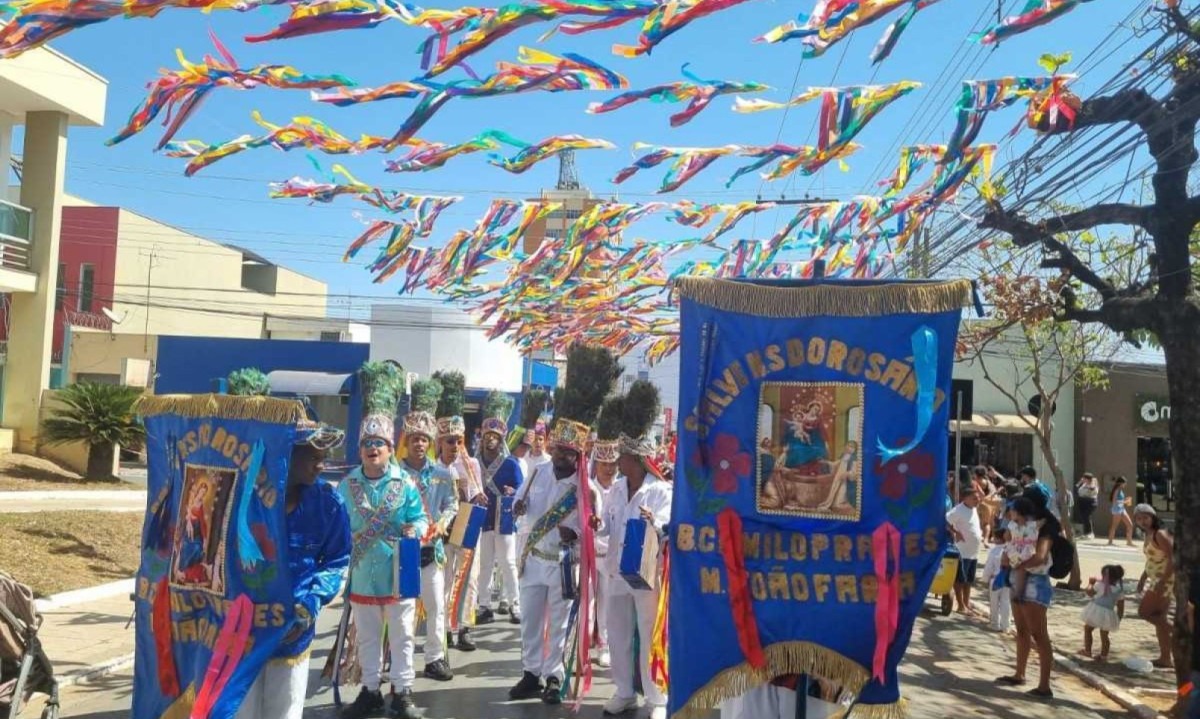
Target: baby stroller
(24, 667)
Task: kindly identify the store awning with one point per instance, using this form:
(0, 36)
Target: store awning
(997, 423)
(314, 384)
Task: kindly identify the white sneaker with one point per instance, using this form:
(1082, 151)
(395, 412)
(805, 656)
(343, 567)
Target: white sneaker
(620, 705)
(604, 659)
(659, 712)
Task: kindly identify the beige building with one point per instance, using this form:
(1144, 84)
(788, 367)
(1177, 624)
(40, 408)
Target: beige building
(46, 93)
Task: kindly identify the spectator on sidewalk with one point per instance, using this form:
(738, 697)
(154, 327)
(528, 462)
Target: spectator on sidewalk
(1106, 610)
(995, 575)
(1118, 500)
(1029, 480)
(964, 525)
(1087, 489)
(1032, 600)
(1158, 581)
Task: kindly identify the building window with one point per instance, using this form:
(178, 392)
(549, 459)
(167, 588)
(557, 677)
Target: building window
(573, 214)
(331, 336)
(87, 287)
(60, 291)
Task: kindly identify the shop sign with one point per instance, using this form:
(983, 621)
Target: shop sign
(1151, 411)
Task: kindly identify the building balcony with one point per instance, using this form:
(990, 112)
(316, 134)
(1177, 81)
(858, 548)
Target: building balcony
(16, 245)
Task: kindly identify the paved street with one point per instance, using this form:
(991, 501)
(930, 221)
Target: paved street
(948, 673)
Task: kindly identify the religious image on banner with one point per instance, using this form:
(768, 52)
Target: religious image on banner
(808, 461)
(199, 556)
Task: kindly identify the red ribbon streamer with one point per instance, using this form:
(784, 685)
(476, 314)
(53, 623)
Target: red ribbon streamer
(729, 529)
(587, 582)
(231, 644)
(160, 624)
(885, 547)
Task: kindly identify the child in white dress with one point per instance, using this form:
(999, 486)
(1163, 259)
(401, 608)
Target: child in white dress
(995, 575)
(1106, 609)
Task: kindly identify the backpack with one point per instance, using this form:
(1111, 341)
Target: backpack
(1062, 557)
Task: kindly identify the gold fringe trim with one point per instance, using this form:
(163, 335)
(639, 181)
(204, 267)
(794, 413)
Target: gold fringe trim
(291, 661)
(222, 406)
(826, 300)
(181, 708)
(782, 658)
(896, 710)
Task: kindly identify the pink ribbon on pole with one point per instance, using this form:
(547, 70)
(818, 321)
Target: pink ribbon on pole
(227, 653)
(885, 548)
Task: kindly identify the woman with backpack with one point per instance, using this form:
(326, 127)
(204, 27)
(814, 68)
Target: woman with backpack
(1036, 593)
(1158, 581)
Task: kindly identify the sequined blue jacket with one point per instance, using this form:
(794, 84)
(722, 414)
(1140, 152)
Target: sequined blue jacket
(318, 553)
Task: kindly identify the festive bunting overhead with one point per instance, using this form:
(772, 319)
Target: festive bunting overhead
(833, 20)
(180, 92)
(696, 92)
(529, 155)
(687, 162)
(979, 97)
(318, 16)
(424, 156)
(301, 132)
(667, 18)
(1034, 14)
(807, 159)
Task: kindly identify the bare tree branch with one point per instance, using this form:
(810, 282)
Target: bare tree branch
(1180, 22)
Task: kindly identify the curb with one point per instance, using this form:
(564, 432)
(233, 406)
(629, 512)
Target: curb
(1131, 704)
(87, 594)
(82, 494)
(94, 672)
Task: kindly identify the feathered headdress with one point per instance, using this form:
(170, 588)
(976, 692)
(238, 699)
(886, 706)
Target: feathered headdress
(497, 406)
(608, 430)
(639, 412)
(426, 393)
(453, 398)
(533, 404)
(592, 373)
(248, 381)
(382, 386)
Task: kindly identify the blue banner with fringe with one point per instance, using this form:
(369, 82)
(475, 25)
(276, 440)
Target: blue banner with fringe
(808, 517)
(214, 598)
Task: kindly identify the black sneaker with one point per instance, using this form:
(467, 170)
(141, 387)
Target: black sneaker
(368, 703)
(484, 616)
(530, 687)
(514, 616)
(503, 608)
(552, 694)
(403, 706)
(464, 641)
(439, 671)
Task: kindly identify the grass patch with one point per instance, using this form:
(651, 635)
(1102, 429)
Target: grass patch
(60, 551)
(25, 473)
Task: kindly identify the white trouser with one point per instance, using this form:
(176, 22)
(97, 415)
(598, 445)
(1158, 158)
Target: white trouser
(603, 589)
(542, 603)
(496, 549)
(771, 702)
(278, 692)
(368, 627)
(626, 606)
(1000, 604)
(433, 597)
(465, 616)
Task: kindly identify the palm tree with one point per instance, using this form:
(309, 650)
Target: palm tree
(99, 414)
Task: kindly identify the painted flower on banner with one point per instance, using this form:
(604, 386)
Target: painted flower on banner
(898, 473)
(728, 463)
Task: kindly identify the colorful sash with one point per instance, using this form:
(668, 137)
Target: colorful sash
(551, 519)
(375, 519)
(490, 471)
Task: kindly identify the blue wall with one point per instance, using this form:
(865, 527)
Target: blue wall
(191, 365)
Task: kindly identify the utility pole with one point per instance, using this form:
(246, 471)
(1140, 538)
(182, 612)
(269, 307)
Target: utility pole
(153, 254)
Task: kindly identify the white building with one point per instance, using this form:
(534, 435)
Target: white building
(429, 338)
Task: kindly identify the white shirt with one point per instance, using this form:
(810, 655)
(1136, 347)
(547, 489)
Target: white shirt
(541, 495)
(654, 494)
(601, 536)
(966, 520)
(992, 567)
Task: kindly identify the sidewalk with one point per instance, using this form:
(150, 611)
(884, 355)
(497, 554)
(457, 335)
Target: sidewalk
(85, 635)
(73, 500)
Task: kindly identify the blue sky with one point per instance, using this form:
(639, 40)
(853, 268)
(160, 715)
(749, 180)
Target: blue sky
(228, 201)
